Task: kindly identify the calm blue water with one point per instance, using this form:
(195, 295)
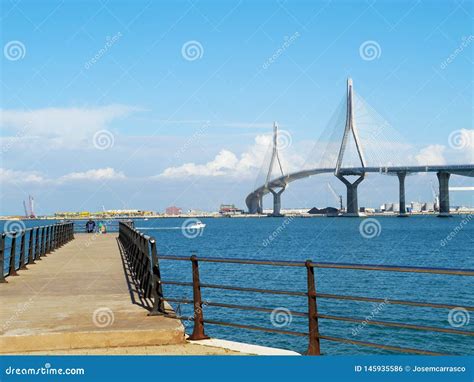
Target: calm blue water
(413, 241)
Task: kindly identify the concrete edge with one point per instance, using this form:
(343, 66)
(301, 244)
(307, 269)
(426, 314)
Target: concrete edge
(243, 348)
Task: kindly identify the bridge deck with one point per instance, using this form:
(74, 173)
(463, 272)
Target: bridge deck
(78, 297)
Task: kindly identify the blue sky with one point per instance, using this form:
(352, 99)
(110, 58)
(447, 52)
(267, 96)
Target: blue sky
(85, 67)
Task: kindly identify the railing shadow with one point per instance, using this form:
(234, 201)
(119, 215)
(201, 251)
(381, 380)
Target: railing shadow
(136, 296)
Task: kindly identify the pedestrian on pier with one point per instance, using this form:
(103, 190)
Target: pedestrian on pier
(90, 226)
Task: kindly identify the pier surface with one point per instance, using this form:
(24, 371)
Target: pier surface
(79, 297)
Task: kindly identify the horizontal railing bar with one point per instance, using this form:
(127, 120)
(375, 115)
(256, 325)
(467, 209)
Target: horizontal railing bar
(396, 325)
(396, 302)
(396, 268)
(231, 287)
(259, 328)
(233, 306)
(235, 261)
(336, 318)
(180, 300)
(387, 268)
(324, 295)
(386, 347)
(253, 308)
(172, 282)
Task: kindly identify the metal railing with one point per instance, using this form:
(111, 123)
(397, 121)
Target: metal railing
(140, 252)
(32, 244)
(143, 255)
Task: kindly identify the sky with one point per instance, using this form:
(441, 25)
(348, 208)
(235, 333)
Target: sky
(144, 104)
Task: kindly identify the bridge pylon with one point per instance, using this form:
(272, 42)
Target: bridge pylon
(350, 130)
(275, 191)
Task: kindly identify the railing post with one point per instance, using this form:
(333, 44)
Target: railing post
(313, 327)
(22, 250)
(48, 237)
(158, 307)
(198, 330)
(12, 270)
(31, 259)
(43, 242)
(2, 258)
(37, 245)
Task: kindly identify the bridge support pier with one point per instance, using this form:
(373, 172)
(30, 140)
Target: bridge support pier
(277, 201)
(254, 205)
(402, 203)
(352, 202)
(260, 204)
(443, 180)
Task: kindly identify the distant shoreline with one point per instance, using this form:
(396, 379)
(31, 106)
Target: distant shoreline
(217, 216)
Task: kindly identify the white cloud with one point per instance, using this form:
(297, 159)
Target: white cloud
(228, 164)
(107, 173)
(62, 126)
(431, 155)
(15, 176)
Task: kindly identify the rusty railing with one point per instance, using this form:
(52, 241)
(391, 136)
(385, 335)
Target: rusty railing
(144, 260)
(32, 244)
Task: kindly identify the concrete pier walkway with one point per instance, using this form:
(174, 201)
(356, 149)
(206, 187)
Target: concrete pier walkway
(79, 297)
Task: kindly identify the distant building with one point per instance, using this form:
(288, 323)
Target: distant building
(230, 209)
(173, 210)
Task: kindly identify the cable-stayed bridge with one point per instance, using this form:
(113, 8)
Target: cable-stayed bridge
(368, 145)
